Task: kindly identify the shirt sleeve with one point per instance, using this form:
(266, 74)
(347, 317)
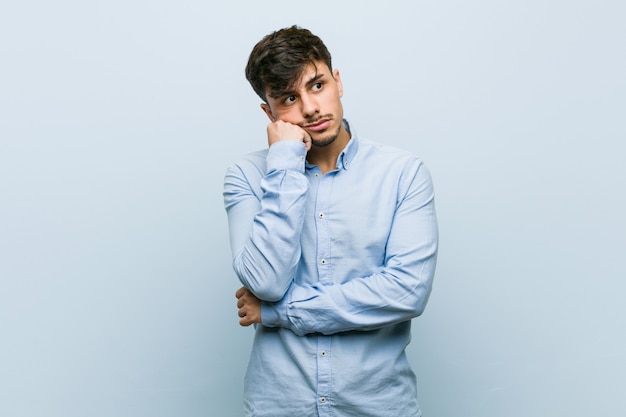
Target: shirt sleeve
(396, 293)
(265, 224)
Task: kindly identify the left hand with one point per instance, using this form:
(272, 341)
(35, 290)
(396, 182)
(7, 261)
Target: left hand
(249, 307)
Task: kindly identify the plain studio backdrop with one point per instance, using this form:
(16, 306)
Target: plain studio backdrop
(119, 118)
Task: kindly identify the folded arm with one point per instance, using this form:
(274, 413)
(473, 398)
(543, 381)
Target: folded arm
(397, 292)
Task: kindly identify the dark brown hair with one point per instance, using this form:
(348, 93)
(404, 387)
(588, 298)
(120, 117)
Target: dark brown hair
(277, 61)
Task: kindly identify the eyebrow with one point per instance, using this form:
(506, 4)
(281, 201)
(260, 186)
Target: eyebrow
(314, 79)
(284, 93)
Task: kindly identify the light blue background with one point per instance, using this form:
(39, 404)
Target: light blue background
(118, 119)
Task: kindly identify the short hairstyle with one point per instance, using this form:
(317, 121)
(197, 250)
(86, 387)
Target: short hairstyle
(278, 60)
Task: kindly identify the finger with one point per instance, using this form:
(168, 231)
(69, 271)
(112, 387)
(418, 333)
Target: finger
(240, 292)
(241, 313)
(307, 141)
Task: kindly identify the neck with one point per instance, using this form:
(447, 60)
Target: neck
(325, 157)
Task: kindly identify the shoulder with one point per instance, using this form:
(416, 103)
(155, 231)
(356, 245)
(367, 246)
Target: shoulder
(251, 164)
(388, 155)
(399, 166)
(243, 177)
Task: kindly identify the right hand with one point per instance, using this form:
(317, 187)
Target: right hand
(249, 307)
(279, 130)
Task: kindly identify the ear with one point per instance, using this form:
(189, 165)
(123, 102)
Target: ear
(337, 78)
(268, 111)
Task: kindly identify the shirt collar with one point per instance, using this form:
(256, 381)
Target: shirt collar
(344, 160)
(347, 155)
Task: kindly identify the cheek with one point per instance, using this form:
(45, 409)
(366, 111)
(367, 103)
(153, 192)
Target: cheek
(290, 116)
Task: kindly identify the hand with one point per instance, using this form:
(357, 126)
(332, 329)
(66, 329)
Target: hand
(278, 131)
(249, 307)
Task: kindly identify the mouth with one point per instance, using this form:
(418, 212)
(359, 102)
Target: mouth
(318, 125)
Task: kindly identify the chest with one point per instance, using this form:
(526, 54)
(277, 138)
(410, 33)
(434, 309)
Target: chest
(352, 214)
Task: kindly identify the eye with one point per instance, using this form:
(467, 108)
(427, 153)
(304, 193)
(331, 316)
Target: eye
(317, 86)
(289, 100)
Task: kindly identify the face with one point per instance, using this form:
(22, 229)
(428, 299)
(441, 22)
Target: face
(314, 104)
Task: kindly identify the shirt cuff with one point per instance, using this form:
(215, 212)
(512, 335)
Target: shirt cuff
(286, 155)
(274, 314)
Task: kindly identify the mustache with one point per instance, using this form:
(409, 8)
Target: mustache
(316, 119)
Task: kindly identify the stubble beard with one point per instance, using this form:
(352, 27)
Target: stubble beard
(325, 141)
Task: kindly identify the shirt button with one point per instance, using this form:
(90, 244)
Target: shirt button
(323, 261)
(317, 175)
(323, 353)
(323, 400)
(321, 215)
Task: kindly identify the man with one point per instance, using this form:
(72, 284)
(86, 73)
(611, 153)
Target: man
(334, 239)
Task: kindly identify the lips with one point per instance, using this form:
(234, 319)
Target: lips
(318, 126)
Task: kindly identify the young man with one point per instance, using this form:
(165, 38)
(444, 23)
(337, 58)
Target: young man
(334, 239)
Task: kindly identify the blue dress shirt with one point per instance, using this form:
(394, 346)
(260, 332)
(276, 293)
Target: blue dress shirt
(342, 262)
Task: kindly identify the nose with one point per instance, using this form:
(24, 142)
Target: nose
(309, 105)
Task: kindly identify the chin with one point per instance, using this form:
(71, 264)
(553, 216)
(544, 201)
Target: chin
(321, 142)
(325, 140)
